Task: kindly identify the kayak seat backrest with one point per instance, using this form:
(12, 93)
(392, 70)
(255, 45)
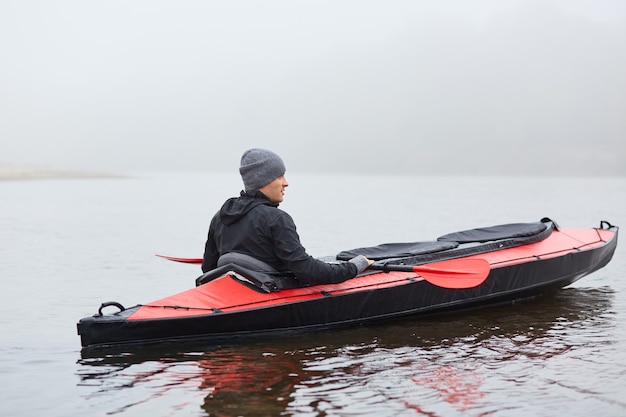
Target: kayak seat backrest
(257, 280)
(246, 261)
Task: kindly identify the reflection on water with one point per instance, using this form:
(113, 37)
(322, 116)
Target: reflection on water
(467, 364)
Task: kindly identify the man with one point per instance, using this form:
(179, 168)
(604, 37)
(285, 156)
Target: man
(252, 231)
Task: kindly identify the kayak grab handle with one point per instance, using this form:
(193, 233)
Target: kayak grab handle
(108, 304)
(605, 223)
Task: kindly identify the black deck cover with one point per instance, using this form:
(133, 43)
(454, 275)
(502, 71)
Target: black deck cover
(396, 250)
(487, 234)
(456, 244)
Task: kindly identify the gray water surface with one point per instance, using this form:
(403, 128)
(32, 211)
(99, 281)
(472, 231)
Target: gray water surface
(68, 245)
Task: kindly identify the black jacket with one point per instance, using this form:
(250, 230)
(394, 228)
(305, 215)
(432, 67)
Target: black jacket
(251, 224)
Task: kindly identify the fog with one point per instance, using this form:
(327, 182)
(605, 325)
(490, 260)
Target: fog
(401, 87)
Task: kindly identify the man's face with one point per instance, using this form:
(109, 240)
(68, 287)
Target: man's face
(275, 190)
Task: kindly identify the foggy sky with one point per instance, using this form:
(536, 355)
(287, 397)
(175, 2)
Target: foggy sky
(445, 87)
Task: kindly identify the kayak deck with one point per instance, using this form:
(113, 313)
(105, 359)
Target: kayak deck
(227, 293)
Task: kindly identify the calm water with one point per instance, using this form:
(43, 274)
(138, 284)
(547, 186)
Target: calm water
(68, 245)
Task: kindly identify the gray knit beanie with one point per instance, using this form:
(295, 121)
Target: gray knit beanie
(259, 167)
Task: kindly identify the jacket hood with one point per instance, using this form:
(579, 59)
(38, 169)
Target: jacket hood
(237, 207)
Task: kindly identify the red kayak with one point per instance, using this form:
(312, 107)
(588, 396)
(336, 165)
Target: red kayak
(458, 271)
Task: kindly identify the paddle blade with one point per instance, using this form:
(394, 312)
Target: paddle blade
(455, 273)
(183, 260)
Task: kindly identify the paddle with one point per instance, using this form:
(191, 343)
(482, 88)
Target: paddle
(183, 260)
(453, 273)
